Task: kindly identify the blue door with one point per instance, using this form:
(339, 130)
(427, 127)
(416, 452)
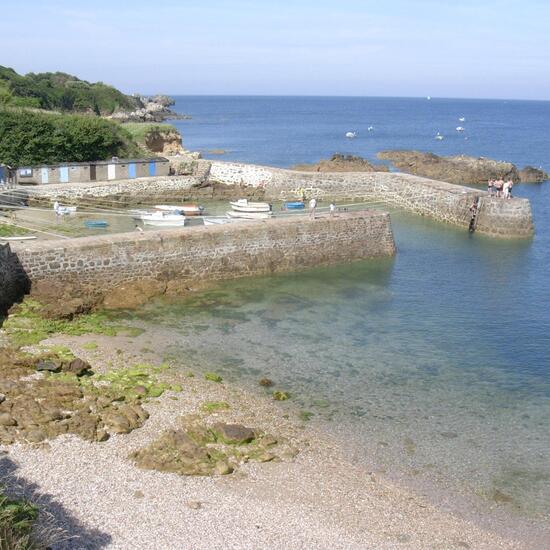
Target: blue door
(152, 168)
(64, 174)
(132, 170)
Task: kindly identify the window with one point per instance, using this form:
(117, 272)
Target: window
(25, 172)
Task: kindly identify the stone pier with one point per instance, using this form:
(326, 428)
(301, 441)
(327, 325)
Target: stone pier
(155, 262)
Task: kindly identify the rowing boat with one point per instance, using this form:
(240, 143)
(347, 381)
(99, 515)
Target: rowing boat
(250, 215)
(187, 209)
(243, 205)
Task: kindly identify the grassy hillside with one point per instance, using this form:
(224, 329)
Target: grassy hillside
(28, 137)
(61, 92)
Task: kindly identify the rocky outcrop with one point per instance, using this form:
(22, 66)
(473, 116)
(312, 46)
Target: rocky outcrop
(533, 175)
(342, 163)
(150, 109)
(461, 170)
(166, 142)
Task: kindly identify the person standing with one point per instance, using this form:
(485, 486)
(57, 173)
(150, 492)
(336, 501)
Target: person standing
(506, 189)
(332, 209)
(491, 187)
(312, 208)
(510, 186)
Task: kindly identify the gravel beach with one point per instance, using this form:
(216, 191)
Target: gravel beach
(318, 499)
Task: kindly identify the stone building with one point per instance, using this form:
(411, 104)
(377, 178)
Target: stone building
(101, 170)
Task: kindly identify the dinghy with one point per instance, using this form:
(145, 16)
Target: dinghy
(351, 135)
(243, 205)
(18, 238)
(186, 209)
(218, 221)
(250, 215)
(96, 224)
(164, 219)
(296, 205)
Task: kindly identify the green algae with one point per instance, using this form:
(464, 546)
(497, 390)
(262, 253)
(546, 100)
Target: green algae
(213, 406)
(26, 326)
(90, 346)
(281, 395)
(213, 377)
(305, 415)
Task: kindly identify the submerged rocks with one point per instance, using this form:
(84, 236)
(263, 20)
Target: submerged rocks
(342, 163)
(460, 170)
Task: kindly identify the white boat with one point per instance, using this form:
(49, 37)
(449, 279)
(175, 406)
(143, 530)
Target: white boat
(459, 129)
(428, 98)
(64, 210)
(439, 136)
(462, 119)
(243, 205)
(163, 219)
(19, 238)
(370, 128)
(187, 209)
(351, 135)
(250, 215)
(218, 221)
(138, 214)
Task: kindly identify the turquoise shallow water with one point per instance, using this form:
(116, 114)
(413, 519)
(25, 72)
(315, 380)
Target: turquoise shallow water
(433, 366)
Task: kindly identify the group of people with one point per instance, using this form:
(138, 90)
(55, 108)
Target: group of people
(313, 208)
(500, 188)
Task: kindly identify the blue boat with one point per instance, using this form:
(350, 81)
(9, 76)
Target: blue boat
(298, 205)
(95, 224)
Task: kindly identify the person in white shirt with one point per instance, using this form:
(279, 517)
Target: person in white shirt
(332, 209)
(312, 207)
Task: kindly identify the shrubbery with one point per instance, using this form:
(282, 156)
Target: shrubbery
(28, 138)
(61, 92)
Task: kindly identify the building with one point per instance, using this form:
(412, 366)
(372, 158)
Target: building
(101, 170)
(7, 176)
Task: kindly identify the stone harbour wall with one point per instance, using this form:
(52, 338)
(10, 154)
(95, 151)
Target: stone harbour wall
(101, 264)
(12, 285)
(439, 200)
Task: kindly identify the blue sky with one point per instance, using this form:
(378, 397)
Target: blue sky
(461, 48)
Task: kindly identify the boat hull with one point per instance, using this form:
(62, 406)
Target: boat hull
(244, 206)
(250, 215)
(294, 205)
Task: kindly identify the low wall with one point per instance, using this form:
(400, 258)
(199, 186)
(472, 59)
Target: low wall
(100, 265)
(439, 200)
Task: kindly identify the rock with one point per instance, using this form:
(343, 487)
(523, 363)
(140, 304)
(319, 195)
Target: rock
(194, 504)
(6, 419)
(233, 434)
(124, 418)
(35, 435)
(529, 174)
(266, 382)
(265, 457)
(2, 398)
(138, 494)
(281, 395)
(49, 366)
(222, 468)
(460, 170)
(78, 366)
(131, 295)
(342, 163)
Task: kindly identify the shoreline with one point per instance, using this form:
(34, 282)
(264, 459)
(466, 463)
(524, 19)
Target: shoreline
(322, 497)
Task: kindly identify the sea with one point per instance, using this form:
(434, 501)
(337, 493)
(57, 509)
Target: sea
(432, 368)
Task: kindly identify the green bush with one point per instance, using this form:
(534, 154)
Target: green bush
(16, 520)
(28, 138)
(61, 92)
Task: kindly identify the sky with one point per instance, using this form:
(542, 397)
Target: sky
(441, 48)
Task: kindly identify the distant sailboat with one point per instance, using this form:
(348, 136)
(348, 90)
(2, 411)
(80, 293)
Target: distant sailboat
(370, 128)
(459, 129)
(439, 136)
(351, 135)
(429, 97)
(461, 119)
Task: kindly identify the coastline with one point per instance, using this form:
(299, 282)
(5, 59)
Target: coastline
(320, 498)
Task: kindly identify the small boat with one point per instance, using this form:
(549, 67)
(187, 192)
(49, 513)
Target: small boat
(18, 238)
(164, 219)
(459, 129)
(137, 214)
(243, 205)
(250, 215)
(351, 135)
(370, 128)
(462, 119)
(65, 210)
(296, 205)
(218, 221)
(429, 97)
(186, 209)
(96, 224)
(439, 136)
